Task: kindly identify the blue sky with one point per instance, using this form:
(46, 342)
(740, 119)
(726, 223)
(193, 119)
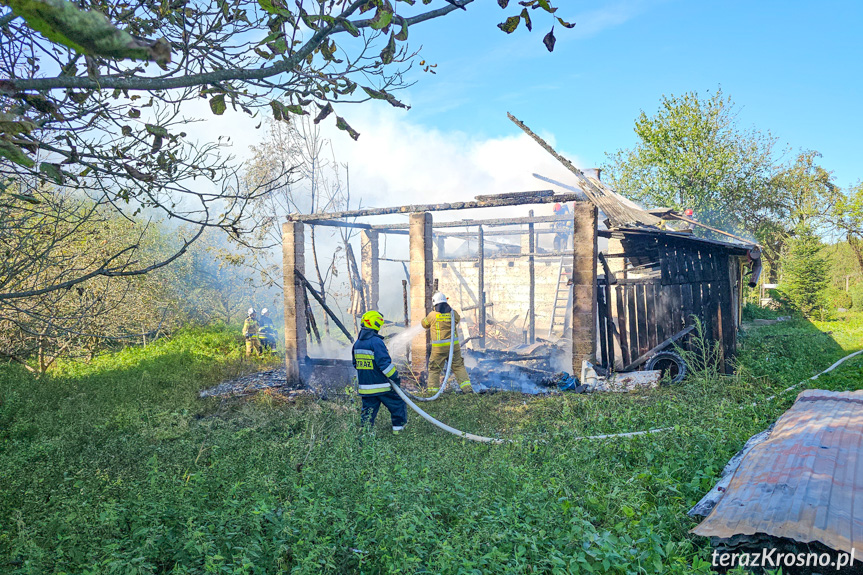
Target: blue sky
(794, 69)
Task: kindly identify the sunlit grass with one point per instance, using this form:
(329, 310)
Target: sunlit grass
(118, 466)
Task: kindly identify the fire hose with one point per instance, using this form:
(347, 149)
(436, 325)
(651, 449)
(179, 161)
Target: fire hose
(406, 397)
(452, 336)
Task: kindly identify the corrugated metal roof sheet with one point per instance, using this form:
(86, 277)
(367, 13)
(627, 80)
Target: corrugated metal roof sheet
(805, 482)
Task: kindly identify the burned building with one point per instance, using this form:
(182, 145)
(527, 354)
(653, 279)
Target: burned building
(624, 285)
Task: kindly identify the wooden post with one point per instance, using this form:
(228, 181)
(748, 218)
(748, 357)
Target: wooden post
(294, 259)
(481, 288)
(584, 284)
(531, 313)
(370, 266)
(421, 272)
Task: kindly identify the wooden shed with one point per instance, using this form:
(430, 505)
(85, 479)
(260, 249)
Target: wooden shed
(656, 283)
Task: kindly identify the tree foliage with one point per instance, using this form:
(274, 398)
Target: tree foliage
(805, 272)
(95, 95)
(848, 218)
(693, 154)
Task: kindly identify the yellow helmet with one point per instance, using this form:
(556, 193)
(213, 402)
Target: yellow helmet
(373, 319)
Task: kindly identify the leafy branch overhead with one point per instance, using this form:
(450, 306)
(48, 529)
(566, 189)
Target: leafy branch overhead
(87, 31)
(511, 23)
(95, 95)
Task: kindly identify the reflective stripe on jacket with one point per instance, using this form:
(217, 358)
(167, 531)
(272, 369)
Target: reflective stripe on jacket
(373, 363)
(439, 324)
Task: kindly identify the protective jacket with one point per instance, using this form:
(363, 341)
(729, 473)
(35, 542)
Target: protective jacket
(440, 327)
(440, 324)
(250, 328)
(373, 363)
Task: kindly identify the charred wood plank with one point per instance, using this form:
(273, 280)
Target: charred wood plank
(622, 326)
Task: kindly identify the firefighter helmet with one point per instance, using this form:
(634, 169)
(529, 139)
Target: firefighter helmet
(373, 319)
(438, 297)
(251, 311)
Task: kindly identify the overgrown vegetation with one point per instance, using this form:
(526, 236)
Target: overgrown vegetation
(118, 467)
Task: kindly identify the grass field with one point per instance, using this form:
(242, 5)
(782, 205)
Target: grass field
(118, 467)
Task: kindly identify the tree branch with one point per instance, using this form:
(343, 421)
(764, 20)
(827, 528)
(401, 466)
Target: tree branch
(213, 77)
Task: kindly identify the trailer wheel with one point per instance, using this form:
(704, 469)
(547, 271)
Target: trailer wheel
(670, 364)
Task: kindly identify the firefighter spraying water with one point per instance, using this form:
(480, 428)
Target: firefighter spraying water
(443, 322)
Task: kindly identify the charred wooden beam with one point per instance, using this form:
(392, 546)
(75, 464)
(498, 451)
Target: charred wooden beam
(536, 197)
(515, 195)
(531, 271)
(486, 222)
(618, 212)
(326, 308)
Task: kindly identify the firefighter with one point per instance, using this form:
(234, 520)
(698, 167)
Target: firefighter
(561, 227)
(268, 331)
(439, 322)
(250, 332)
(375, 370)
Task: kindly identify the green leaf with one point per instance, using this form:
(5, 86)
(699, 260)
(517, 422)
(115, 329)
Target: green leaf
(134, 113)
(267, 5)
(566, 24)
(402, 36)
(342, 125)
(217, 104)
(510, 25)
(294, 109)
(159, 130)
(503, 3)
(12, 125)
(28, 199)
(87, 32)
(389, 51)
(526, 17)
(383, 16)
(13, 153)
(52, 171)
(277, 109)
(349, 27)
(127, 130)
(546, 6)
(384, 95)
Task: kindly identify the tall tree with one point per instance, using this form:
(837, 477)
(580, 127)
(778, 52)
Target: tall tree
(804, 271)
(848, 218)
(801, 193)
(692, 153)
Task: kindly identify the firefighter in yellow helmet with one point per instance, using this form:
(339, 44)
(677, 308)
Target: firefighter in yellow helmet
(375, 371)
(440, 323)
(250, 332)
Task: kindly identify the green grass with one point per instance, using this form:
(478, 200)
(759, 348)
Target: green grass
(118, 467)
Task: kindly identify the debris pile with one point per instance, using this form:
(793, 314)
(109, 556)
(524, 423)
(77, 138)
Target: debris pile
(250, 384)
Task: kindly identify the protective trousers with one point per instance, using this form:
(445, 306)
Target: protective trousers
(253, 345)
(397, 407)
(437, 366)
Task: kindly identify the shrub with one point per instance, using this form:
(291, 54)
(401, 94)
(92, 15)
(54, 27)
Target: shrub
(856, 293)
(837, 298)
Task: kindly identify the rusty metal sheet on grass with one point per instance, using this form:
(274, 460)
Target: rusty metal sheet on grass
(805, 482)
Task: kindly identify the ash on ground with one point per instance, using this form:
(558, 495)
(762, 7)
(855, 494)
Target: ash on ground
(274, 379)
